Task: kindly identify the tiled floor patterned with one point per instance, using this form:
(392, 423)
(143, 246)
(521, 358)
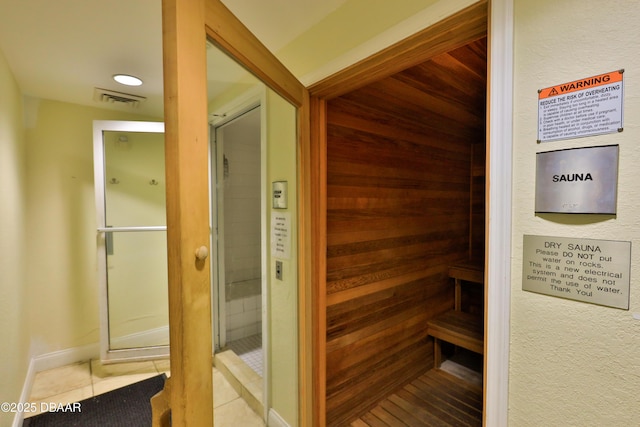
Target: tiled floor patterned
(249, 349)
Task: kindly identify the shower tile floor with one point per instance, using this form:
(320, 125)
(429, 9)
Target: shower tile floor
(249, 349)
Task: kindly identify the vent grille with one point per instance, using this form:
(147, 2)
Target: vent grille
(113, 97)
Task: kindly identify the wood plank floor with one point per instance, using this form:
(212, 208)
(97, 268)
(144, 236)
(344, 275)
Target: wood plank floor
(436, 398)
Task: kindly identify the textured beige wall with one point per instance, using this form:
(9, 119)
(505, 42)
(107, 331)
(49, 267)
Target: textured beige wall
(572, 363)
(14, 327)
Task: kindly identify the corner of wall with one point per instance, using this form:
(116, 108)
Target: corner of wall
(26, 392)
(275, 420)
(14, 329)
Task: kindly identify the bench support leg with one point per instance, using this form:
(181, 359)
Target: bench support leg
(437, 353)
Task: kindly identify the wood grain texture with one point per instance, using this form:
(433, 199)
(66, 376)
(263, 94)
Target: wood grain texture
(436, 398)
(306, 292)
(186, 153)
(399, 212)
(186, 26)
(459, 328)
(394, 186)
(228, 33)
(318, 210)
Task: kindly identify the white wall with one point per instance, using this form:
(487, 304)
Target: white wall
(573, 363)
(14, 325)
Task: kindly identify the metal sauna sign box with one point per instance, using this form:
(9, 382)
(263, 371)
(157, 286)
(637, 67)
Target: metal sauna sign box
(584, 107)
(578, 180)
(588, 270)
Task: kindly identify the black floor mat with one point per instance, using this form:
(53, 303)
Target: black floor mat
(124, 407)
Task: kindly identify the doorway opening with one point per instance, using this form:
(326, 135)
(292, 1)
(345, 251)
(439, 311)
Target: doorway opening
(405, 206)
(129, 183)
(237, 212)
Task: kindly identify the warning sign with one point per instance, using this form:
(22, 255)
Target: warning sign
(585, 107)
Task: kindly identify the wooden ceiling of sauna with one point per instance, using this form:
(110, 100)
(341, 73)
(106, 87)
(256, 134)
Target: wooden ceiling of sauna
(446, 95)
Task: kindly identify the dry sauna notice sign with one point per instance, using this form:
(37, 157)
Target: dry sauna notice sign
(588, 270)
(585, 107)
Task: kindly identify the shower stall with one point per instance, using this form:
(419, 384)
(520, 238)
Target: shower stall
(237, 216)
(130, 200)
(131, 239)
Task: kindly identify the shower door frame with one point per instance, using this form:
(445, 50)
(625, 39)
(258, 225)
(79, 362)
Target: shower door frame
(108, 355)
(254, 99)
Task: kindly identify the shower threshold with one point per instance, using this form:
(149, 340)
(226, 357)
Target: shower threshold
(244, 378)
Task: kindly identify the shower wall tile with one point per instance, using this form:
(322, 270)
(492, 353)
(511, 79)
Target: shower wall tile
(250, 303)
(235, 334)
(237, 321)
(242, 214)
(235, 307)
(244, 317)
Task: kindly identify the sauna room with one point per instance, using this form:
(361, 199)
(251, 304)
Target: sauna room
(405, 237)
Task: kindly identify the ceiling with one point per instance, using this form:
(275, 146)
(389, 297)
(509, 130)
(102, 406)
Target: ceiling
(63, 49)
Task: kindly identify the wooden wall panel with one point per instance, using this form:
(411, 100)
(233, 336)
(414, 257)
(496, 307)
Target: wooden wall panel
(398, 214)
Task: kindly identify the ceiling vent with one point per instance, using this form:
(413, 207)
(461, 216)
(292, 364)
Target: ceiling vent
(113, 97)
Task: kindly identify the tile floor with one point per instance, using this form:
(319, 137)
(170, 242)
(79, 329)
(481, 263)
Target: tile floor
(249, 349)
(83, 380)
(245, 381)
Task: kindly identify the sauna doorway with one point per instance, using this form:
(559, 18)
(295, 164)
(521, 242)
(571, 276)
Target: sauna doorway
(404, 197)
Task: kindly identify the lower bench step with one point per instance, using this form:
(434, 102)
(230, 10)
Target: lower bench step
(459, 328)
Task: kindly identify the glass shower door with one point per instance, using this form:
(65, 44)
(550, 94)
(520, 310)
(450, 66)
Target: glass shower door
(237, 214)
(132, 245)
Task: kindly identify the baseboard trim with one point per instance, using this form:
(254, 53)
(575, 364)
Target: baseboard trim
(68, 356)
(26, 392)
(275, 420)
(52, 360)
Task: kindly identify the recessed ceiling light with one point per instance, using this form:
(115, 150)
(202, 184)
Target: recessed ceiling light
(127, 80)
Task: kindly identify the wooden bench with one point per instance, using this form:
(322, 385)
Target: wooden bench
(462, 329)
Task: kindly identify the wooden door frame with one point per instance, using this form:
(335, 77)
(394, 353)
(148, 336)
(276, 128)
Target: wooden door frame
(186, 27)
(491, 18)
(188, 394)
